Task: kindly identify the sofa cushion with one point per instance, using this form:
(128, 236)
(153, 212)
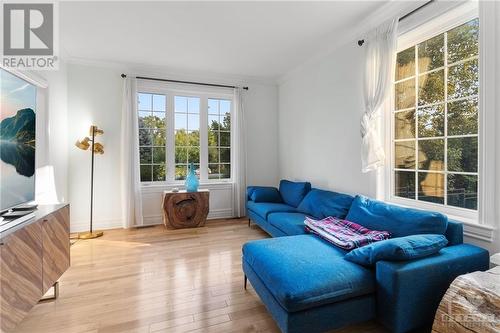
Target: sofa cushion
(399, 221)
(289, 223)
(321, 204)
(251, 189)
(292, 193)
(398, 249)
(266, 194)
(263, 209)
(304, 271)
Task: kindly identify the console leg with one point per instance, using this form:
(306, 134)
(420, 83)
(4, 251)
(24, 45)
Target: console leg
(249, 222)
(245, 283)
(54, 296)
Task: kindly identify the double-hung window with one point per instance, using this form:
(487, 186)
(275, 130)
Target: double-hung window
(179, 127)
(434, 123)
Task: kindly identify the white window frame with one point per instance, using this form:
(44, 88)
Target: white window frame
(437, 26)
(170, 90)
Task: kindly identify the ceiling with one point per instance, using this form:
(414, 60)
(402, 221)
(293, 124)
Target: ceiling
(254, 39)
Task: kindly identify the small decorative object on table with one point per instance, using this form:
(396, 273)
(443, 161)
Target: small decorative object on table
(471, 304)
(192, 181)
(185, 209)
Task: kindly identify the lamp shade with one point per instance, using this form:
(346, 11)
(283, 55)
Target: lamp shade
(96, 130)
(98, 148)
(84, 144)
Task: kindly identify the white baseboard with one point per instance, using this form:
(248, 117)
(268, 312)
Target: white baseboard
(220, 213)
(152, 219)
(213, 214)
(79, 226)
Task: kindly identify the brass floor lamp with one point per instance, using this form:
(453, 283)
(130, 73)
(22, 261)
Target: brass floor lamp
(95, 148)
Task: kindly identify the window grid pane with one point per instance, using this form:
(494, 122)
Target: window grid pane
(187, 135)
(436, 105)
(219, 138)
(152, 136)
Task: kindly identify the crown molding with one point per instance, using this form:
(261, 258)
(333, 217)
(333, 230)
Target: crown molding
(135, 69)
(351, 35)
(32, 77)
(63, 54)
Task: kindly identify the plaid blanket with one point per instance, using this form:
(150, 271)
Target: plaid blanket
(344, 234)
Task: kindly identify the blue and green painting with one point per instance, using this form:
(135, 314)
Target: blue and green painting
(17, 140)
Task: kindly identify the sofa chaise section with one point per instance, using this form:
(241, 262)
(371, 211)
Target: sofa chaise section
(304, 280)
(308, 286)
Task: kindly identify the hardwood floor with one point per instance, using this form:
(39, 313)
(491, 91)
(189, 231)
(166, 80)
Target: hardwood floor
(158, 280)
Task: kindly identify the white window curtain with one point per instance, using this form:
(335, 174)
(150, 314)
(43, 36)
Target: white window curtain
(240, 176)
(380, 45)
(130, 173)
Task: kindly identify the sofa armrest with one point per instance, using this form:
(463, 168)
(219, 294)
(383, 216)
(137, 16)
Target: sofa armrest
(409, 293)
(454, 232)
(250, 190)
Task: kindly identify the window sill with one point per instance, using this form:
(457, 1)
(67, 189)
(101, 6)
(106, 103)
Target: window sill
(473, 229)
(153, 188)
(479, 231)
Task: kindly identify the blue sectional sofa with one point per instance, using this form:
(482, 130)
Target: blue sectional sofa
(308, 286)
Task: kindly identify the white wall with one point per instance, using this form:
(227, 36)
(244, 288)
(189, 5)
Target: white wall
(55, 121)
(320, 106)
(261, 119)
(94, 96)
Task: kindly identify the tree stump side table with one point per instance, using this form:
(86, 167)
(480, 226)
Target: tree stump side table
(471, 304)
(185, 209)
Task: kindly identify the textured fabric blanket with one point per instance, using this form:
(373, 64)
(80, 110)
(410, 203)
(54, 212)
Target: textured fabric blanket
(344, 234)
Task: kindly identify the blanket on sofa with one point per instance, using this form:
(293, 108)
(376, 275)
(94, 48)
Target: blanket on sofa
(344, 234)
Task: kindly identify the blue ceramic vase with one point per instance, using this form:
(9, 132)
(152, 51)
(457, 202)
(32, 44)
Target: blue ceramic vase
(192, 181)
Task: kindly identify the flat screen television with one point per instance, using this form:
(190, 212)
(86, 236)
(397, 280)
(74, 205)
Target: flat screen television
(17, 140)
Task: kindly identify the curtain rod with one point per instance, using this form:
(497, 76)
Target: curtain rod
(185, 82)
(362, 41)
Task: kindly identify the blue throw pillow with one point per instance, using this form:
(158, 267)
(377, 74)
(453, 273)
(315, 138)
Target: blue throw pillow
(265, 194)
(399, 221)
(292, 193)
(321, 204)
(398, 249)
